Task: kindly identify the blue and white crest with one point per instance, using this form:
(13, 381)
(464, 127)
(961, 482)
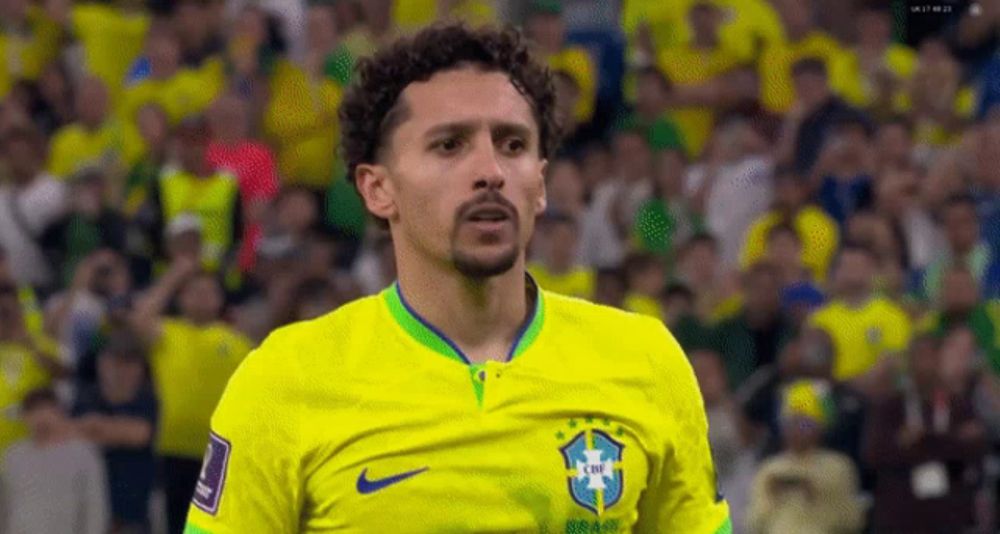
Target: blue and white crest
(594, 470)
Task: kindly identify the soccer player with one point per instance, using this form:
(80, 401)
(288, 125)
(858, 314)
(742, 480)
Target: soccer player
(463, 397)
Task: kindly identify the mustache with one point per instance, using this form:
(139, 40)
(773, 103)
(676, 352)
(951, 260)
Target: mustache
(492, 198)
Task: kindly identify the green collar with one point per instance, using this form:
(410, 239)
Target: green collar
(429, 336)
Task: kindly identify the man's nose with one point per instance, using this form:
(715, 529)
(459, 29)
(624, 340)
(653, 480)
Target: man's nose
(486, 166)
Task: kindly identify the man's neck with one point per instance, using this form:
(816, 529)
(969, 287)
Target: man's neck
(482, 317)
(857, 299)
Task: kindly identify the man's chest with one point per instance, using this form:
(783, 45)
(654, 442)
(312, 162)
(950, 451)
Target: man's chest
(552, 456)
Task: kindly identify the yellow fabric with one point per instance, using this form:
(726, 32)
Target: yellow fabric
(73, 147)
(685, 65)
(577, 282)
(190, 367)
(775, 67)
(931, 132)
(188, 92)
(576, 62)
(803, 398)
(212, 199)
(817, 231)
(413, 15)
(112, 39)
(308, 420)
(861, 336)
(19, 374)
(26, 56)
(301, 122)
(847, 80)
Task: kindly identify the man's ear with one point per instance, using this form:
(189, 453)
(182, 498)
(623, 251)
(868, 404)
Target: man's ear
(376, 189)
(541, 201)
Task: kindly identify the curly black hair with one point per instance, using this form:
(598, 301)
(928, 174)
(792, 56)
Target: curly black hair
(369, 111)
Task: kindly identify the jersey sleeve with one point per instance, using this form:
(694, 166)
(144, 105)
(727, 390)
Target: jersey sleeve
(682, 493)
(250, 478)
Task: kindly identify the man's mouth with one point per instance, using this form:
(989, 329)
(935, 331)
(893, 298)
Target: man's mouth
(488, 214)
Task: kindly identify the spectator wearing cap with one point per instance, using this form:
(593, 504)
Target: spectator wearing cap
(210, 196)
(96, 139)
(31, 201)
(119, 415)
(926, 445)
(52, 482)
(817, 233)
(699, 61)
(869, 331)
(196, 347)
(809, 121)
(546, 28)
(557, 269)
(806, 488)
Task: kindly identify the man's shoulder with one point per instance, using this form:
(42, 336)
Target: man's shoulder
(583, 319)
(333, 329)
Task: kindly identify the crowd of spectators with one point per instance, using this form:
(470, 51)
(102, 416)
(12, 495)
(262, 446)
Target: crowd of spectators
(807, 192)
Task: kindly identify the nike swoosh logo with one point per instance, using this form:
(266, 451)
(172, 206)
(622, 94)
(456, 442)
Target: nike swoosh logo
(366, 486)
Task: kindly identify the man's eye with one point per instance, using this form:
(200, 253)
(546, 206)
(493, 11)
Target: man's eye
(448, 145)
(514, 145)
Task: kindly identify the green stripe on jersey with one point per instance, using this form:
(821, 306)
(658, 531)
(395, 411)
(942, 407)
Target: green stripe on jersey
(191, 528)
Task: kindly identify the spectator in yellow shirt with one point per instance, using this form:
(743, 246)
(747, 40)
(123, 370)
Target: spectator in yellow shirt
(29, 41)
(935, 97)
(872, 73)
(96, 139)
(557, 269)
(646, 277)
(803, 39)
(112, 37)
(868, 331)
(817, 232)
(545, 27)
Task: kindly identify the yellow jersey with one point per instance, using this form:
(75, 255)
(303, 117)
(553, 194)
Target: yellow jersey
(576, 61)
(19, 374)
(862, 335)
(775, 67)
(188, 92)
(74, 147)
(190, 367)
(112, 39)
(368, 419)
(816, 230)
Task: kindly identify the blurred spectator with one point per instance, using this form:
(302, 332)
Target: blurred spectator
(195, 189)
(868, 331)
(615, 200)
(558, 269)
(959, 306)
(324, 44)
(726, 433)
(314, 298)
(376, 27)
(803, 39)
(799, 293)
(897, 198)
(32, 200)
(667, 217)
(91, 224)
(28, 359)
(844, 174)
(964, 247)
(119, 415)
(873, 230)
(53, 482)
(805, 488)
(154, 129)
(874, 71)
(546, 29)
(29, 39)
(194, 348)
(936, 99)
(54, 107)
(610, 287)
(925, 445)
(646, 280)
(252, 163)
(564, 189)
(733, 187)
(817, 232)
(815, 112)
(753, 337)
(716, 289)
(894, 148)
(698, 61)
(197, 26)
(95, 139)
(300, 118)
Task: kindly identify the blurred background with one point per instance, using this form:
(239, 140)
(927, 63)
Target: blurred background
(807, 192)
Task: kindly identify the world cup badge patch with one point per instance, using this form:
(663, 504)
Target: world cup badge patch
(594, 468)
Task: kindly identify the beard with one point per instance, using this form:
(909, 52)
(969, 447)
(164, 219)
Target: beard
(480, 266)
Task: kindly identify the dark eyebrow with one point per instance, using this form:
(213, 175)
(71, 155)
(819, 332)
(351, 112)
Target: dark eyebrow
(464, 128)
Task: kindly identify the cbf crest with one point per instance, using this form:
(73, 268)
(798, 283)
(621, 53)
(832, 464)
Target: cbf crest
(593, 460)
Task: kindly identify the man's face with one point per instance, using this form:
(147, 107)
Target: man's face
(461, 179)
(201, 299)
(784, 249)
(874, 27)
(632, 155)
(92, 102)
(229, 118)
(959, 292)
(961, 226)
(547, 29)
(894, 142)
(114, 372)
(321, 29)
(855, 271)
(43, 419)
(23, 159)
(811, 88)
(650, 95)
(762, 292)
